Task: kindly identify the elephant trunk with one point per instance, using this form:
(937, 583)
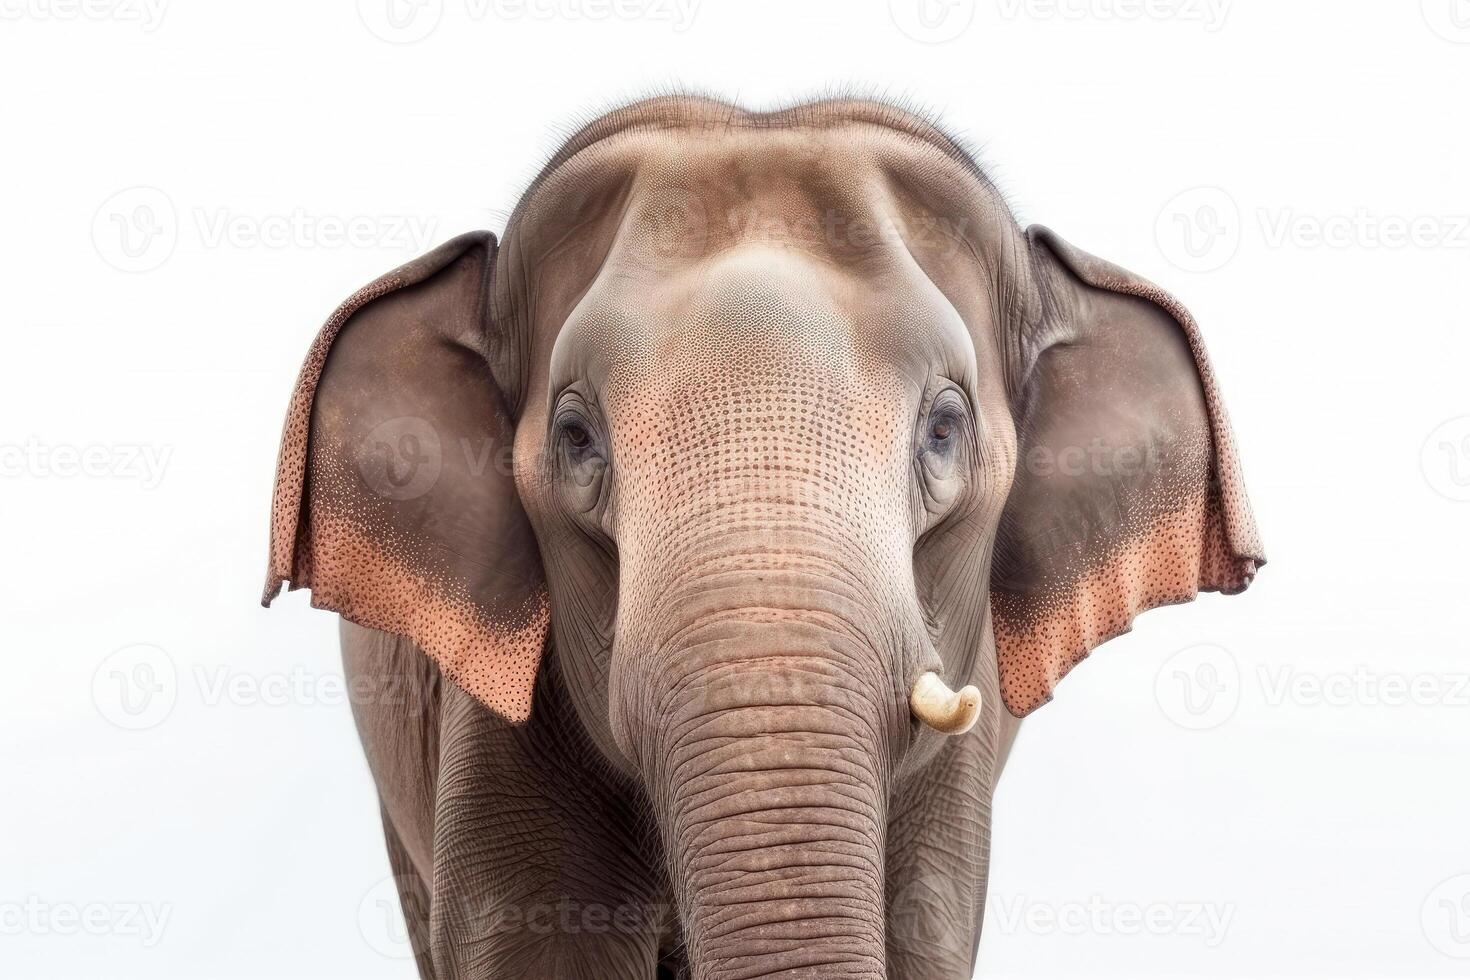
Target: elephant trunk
(773, 767)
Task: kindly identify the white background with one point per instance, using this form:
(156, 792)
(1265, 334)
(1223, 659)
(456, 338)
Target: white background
(184, 795)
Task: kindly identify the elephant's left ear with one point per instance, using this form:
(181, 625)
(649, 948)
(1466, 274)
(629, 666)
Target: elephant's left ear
(395, 500)
(1128, 493)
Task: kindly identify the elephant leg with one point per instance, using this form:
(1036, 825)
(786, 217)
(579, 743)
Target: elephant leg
(938, 858)
(396, 693)
(413, 897)
(515, 854)
(542, 865)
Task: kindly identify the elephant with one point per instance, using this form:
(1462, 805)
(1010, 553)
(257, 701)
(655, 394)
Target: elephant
(718, 526)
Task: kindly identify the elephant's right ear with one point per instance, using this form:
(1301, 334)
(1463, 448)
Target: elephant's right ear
(1128, 494)
(395, 500)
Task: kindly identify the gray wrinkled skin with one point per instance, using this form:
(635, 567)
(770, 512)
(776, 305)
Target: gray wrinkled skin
(769, 380)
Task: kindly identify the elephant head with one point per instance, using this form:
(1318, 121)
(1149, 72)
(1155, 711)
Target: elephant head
(805, 454)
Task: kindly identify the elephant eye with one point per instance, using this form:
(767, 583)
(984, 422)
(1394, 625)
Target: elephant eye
(575, 432)
(576, 435)
(577, 439)
(946, 417)
(578, 454)
(943, 448)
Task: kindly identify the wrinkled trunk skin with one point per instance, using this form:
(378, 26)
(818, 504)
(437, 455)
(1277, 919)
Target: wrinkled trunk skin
(774, 761)
(768, 623)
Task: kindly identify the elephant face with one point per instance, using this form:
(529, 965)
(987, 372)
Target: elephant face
(745, 427)
(802, 422)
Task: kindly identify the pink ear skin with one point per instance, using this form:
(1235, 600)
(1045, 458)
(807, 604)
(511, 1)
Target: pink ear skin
(1128, 494)
(394, 501)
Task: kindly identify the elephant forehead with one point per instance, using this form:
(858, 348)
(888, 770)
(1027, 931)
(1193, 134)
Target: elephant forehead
(756, 311)
(752, 252)
(654, 202)
(759, 344)
(831, 199)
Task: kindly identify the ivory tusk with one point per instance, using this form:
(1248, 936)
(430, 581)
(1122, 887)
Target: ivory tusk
(947, 712)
